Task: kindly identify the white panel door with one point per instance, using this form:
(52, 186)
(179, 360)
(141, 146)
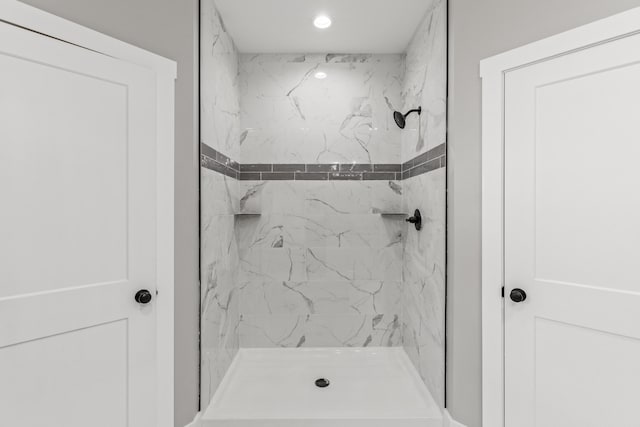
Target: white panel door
(572, 239)
(77, 236)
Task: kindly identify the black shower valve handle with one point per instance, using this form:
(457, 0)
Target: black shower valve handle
(416, 219)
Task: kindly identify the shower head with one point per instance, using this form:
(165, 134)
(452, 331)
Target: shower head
(401, 119)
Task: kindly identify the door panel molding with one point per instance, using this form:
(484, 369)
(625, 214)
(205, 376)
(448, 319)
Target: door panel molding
(26, 17)
(493, 72)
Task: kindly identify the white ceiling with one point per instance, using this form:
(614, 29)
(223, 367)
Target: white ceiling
(286, 26)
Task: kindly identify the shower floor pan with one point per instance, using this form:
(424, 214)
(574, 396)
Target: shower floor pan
(368, 387)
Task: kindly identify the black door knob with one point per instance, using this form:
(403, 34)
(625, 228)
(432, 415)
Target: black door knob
(518, 295)
(143, 296)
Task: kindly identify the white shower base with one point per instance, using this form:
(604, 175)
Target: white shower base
(369, 387)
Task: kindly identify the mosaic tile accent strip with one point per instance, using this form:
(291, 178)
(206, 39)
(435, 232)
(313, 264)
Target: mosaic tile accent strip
(214, 160)
(423, 163)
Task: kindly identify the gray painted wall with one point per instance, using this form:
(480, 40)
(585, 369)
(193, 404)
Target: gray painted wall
(479, 29)
(168, 28)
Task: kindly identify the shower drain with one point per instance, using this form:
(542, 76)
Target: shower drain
(322, 382)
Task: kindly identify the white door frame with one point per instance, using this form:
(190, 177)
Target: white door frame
(14, 12)
(493, 71)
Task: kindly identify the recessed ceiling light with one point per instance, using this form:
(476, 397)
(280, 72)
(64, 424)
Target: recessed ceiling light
(321, 75)
(322, 22)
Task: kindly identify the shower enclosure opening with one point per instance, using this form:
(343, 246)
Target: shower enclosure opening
(322, 216)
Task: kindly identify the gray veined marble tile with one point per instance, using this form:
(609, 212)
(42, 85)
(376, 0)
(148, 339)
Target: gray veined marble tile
(386, 196)
(352, 231)
(334, 264)
(273, 230)
(320, 331)
(295, 298)
(250, 196)
(424, 280)
(379, 264)
(284, 197)
(295, 118)
(425, 84)
(220, 132)
(264, 331)
(375, 296)
(220, 102)
(338, 197)
(423, 269)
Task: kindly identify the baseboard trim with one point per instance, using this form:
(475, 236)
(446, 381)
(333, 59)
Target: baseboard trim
(195, 422)
(449, 421)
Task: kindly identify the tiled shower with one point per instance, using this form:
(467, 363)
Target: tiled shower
(306, 182)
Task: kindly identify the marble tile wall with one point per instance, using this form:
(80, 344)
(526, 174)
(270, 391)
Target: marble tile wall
(219, 84)
(219, 253)
(220, 263)
(321, 266)
(289, 116)
(424, 287)
(425, 84)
